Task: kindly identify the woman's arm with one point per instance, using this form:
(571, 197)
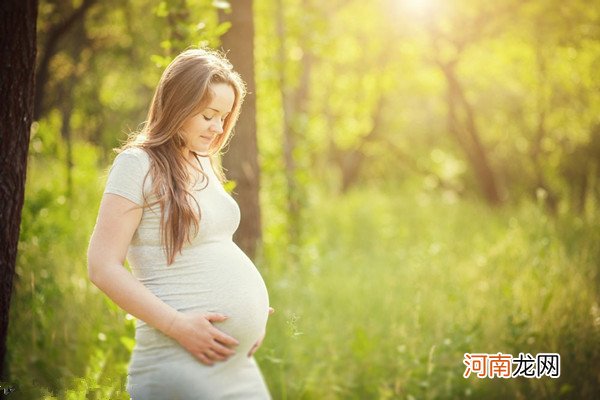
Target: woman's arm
(118, 218)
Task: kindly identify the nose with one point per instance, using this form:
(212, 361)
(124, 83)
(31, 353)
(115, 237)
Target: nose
(218, 126)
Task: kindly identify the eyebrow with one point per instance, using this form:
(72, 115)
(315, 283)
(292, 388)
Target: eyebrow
(214, 109)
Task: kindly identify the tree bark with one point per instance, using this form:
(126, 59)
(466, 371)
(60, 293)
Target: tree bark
(241, 159)
(17, 72)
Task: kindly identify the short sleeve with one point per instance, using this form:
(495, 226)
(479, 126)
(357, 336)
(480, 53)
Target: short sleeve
(126, 177)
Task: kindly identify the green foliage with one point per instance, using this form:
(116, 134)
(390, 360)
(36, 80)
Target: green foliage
(404, 284)
(392, 282)
(53, 343)
(393, 288)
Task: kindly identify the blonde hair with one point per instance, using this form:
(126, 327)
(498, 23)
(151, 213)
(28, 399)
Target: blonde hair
(185, 87)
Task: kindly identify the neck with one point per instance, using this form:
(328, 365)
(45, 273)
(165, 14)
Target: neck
(188, 154)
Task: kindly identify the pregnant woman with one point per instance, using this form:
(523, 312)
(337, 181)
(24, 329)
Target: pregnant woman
(201, 305)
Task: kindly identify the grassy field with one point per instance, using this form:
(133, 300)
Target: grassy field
(404, 285)
(393, 287)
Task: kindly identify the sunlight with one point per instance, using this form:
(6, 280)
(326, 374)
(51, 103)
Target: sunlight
(419, 7)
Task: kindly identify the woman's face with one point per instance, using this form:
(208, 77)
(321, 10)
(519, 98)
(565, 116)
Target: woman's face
(201, 129)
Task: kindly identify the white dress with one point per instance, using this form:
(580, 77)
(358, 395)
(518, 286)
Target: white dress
(211, 275)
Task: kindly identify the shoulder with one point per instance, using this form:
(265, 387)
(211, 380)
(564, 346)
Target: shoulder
(135, 155)
(128, 174)
(136, 152)
(133, 162)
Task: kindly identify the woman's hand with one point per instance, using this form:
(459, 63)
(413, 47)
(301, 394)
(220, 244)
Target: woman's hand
(196, 333)
(259, 342)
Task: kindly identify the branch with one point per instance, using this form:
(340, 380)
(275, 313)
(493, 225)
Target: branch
(413, 165)
(49, 50)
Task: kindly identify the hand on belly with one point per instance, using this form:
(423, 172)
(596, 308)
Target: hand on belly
(246, 325)
(259, 341)
(196, 333)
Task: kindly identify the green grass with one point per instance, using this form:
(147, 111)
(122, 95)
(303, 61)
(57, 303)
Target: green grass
(394, 286)
(65, 336)
(404, 284)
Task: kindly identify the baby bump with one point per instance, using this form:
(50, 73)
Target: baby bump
(217, 278)
(239, 292)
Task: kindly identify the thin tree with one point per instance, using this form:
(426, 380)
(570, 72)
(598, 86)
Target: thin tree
(462, 121)
(294, 98)
(17, 71)
(241, 159)
(49, 49)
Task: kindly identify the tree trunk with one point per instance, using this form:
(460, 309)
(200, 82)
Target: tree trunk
(289, 140)
(536, 151)
(295, 104)
(351, 162)
(67, 90)
(65, 130)
(241, 159)
(17, 71)
(467, 135)
(49, 50)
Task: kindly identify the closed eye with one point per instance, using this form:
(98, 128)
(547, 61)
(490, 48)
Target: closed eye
(210, 118)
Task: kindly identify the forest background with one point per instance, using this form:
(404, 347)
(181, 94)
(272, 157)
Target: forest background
(427, 176)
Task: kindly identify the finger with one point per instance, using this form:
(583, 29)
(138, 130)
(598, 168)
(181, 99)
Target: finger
(214, 356)
(271, 310)
(219, 348)
(252, 350)
(204, 359)
(224, 338)
(259, 343)
(255, 348)
(215, 317)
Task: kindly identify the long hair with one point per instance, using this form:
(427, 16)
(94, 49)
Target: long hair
(185, 87)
